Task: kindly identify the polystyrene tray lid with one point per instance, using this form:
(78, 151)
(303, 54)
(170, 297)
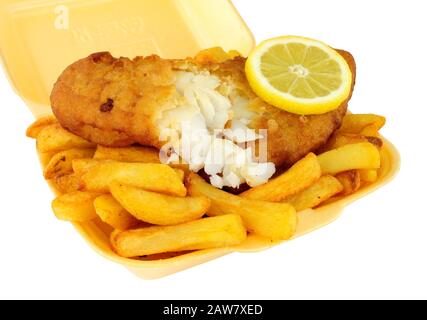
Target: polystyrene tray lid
(40, 38)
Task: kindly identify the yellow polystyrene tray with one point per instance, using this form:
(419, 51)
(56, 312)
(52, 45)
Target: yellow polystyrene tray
(40, 38)
(97, 233)
(34, 52)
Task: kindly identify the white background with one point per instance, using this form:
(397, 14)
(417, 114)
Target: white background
(377, 249)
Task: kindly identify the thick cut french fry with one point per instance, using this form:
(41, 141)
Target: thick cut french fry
(180, 173)
(45, 157)
(112, 213)
(67, 184)
(34, 130)
(99, 175)
(159, 209)
(61, 163)
(208, 233)
(135, 154)
(82, 166)
(275, 221)
(355, 123)
(376, 141)
(350, 181)
(130, 154)
(349, 157)
(55, 138)
(323, 189)
(75, 207)
(302, 174)
(342, 139)
(368, 175)
(370, 131)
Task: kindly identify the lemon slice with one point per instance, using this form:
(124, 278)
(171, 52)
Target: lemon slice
(299, 75)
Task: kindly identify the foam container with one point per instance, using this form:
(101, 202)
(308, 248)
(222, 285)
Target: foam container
(38, 39)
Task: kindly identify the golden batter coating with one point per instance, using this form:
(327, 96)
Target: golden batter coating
(117, 102)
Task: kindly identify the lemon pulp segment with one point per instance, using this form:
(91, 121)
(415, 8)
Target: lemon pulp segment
(299, 75)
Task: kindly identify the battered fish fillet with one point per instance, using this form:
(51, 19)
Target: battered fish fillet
(120, 102)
